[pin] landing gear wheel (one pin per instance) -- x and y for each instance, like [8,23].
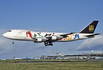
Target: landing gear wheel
[51,44]
[12,41]
[48,43]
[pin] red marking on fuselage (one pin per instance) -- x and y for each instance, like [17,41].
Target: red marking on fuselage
[62,39]
[29,33]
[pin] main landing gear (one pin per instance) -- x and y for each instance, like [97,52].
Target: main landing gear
[48,43]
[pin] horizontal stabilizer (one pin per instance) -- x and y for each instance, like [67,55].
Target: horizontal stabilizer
[92,35]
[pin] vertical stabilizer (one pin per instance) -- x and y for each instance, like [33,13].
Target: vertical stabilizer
[90,28]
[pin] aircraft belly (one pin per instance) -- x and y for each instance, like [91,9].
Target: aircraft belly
[23,39]
[66,40]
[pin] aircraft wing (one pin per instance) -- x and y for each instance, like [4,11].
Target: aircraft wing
[47,38]
[65,35]
[52,38]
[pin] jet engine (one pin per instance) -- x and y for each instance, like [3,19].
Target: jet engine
[39,40]
[54,38]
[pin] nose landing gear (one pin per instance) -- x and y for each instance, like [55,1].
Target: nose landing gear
[12,41]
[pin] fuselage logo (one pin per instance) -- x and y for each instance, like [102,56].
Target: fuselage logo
[29,34]
[72,37]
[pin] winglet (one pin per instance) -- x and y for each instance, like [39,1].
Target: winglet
[90,28]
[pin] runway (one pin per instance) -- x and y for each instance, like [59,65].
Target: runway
[59,61]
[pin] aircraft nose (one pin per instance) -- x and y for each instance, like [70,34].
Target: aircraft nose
[8,35]
[4,34]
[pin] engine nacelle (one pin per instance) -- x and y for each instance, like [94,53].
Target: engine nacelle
[54,38]
[39,40]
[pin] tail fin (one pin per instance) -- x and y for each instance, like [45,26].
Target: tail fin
[90,28]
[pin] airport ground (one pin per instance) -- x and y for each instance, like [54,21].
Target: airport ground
[51,64]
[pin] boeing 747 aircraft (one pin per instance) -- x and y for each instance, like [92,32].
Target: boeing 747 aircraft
[49,37]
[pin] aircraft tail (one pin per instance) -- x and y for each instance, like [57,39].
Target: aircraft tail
[90,28]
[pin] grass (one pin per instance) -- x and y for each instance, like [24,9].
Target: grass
[9,65]
[51,66]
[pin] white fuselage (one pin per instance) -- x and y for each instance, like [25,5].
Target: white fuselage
[49,37]
[26,35]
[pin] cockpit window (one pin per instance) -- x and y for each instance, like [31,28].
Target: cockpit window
[10,30]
